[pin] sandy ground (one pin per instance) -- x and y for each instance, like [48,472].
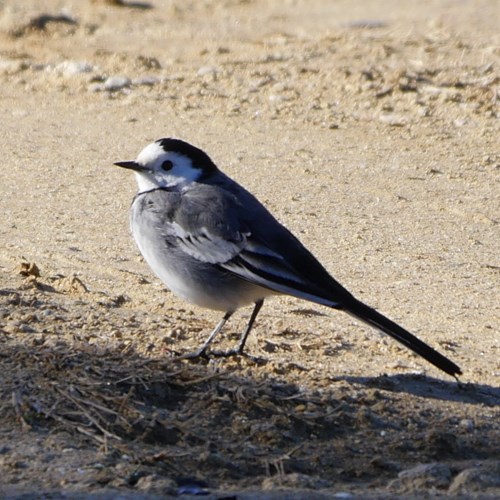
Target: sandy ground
[370,128]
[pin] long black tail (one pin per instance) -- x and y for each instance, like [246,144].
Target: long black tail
[374,318]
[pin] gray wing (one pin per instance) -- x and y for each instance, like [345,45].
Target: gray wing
[238,235]
[207,227]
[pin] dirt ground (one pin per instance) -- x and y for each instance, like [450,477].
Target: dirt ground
[370,128]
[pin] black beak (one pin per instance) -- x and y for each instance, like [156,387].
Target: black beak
[131,165]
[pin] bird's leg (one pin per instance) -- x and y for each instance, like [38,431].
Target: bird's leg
[243,339]
[241,345]
[202,350]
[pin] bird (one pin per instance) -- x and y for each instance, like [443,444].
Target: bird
[212,243]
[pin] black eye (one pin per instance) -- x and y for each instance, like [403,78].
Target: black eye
[167,165]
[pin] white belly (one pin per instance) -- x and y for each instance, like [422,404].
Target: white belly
[197,282]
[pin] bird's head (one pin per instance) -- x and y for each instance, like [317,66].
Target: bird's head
[169,163]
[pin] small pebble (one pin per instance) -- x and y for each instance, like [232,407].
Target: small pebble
[432,475]
[146,80]
[278,98]
[114,83]
[207,70]
[72,68]
[393,120]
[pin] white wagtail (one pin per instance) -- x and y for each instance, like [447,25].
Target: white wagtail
[214,244]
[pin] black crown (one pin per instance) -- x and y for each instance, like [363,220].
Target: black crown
[199,158]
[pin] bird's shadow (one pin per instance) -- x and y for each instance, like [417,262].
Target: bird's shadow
[430,387]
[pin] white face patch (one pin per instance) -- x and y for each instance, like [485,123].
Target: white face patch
[150,154]
[153,157]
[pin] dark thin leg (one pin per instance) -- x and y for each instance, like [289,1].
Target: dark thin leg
[202,350]
[241,345]
[243,340]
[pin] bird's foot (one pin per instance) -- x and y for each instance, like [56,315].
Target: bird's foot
[237,351]
[204,354]
[199,353]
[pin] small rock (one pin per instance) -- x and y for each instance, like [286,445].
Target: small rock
[114,83]
[206,70]
[155,483]
[460,122]
[477,479]
[279,98]
[72,68]
[148,81]
[208,73]
[393,120]
[424,476]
